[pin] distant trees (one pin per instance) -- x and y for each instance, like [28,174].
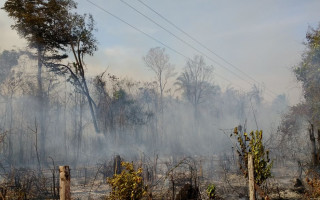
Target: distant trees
[158,61]
[8,59]
[280,103]
[118,107]
[195,81]
[128,110]
[9,82]
[196,84]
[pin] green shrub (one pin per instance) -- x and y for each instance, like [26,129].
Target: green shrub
[252,143]
[211,191]
[128,185]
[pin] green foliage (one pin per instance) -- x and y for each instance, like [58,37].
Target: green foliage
[196,81]
[53,29]
[128,185]
[41,23]
[8,59]
[211,191]
[252,143]
[313,183]
[308,74]
[119,94]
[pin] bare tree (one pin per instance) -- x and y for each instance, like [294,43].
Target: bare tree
[159,62]
[9,82]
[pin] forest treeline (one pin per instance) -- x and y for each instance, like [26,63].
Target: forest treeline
[132,116]
[51,107]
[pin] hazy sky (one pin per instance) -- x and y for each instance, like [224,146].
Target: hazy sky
[262,38]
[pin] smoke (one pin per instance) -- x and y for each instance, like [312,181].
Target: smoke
[128,114]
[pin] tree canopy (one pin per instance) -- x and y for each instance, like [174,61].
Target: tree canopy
[51,27]
[196,80]
[42,23]
[308,73]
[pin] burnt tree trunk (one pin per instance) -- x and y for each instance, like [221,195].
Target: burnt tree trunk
[41,115]
[117,165]
[313,146]
[318,155]
[91,103]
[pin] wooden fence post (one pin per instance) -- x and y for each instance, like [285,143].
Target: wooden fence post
[85,176]
[65,193]
[251,177]
[117,165]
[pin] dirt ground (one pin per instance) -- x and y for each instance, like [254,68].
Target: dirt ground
[230,186]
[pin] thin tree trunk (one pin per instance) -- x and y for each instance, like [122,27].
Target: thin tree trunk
[196,119]
[84,86]
[79,131]
[41,106]
[65,121]
[92,111]
[75,123]
[313,145]
[10,133]
[22,141]
[318,155]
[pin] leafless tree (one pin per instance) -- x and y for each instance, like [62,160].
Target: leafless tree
[159,62]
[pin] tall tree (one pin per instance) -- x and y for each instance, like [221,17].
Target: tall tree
[196,85]
[196,81]
[51,28]
[159,62]
[42,24]
[308,74]
[81,43]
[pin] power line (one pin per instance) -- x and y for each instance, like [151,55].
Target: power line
[139,30]
[202,45]
[153,38]
[188,44]
[185,42]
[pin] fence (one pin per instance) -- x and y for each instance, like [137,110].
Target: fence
[89,182]
[85,183]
